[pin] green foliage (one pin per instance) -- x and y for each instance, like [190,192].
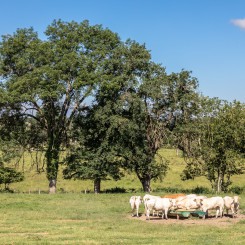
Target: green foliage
[196,190]
[215,148]
[106,126]
[49,80]
[237,190]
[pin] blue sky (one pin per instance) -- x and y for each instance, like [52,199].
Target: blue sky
[206,37]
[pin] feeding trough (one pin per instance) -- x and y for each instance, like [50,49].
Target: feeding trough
[186,213]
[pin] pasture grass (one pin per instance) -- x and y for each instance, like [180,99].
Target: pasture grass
[74,218]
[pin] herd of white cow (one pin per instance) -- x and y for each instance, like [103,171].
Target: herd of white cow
[158,204]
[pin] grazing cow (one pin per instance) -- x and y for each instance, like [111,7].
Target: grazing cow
[213,203]
[187,202]
[135,202]
[158,204]
[199,199]
[231,203]
[147,197]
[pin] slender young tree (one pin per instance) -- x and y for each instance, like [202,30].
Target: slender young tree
[8,176]
[214,143]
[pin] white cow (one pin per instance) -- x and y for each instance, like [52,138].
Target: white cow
[158,204]
[199,199]
[187,202]
[191,195]
[231,203]
[135,202]
[147,197]
[213,203]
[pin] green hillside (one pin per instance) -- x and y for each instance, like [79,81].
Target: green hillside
[35,181]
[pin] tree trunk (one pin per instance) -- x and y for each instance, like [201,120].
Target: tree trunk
[52,186]
[219,183]
[177,152]
[97,185]
[52,157]
[146,183]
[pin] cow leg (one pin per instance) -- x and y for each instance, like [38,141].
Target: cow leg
[162,214]
[232,212]
[217,213]
[166,213]
[206,214]
[145,209]
[148,214]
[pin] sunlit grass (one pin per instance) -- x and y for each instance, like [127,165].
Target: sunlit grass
[97,219]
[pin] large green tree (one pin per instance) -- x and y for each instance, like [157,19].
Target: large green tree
[49,80]
[97,153]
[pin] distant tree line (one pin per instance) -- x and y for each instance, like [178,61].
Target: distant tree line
[111,108]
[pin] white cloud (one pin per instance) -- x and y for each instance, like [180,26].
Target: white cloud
[239,22]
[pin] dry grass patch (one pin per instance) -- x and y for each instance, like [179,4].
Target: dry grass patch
[210,221]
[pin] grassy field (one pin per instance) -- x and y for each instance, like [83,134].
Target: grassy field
[100,219]
[72,217]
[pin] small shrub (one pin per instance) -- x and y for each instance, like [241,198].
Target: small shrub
[236,189]
[9,175]
[200,190]
[115,190]
[6,190]
[169,190]
[61,190]
[196,190]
